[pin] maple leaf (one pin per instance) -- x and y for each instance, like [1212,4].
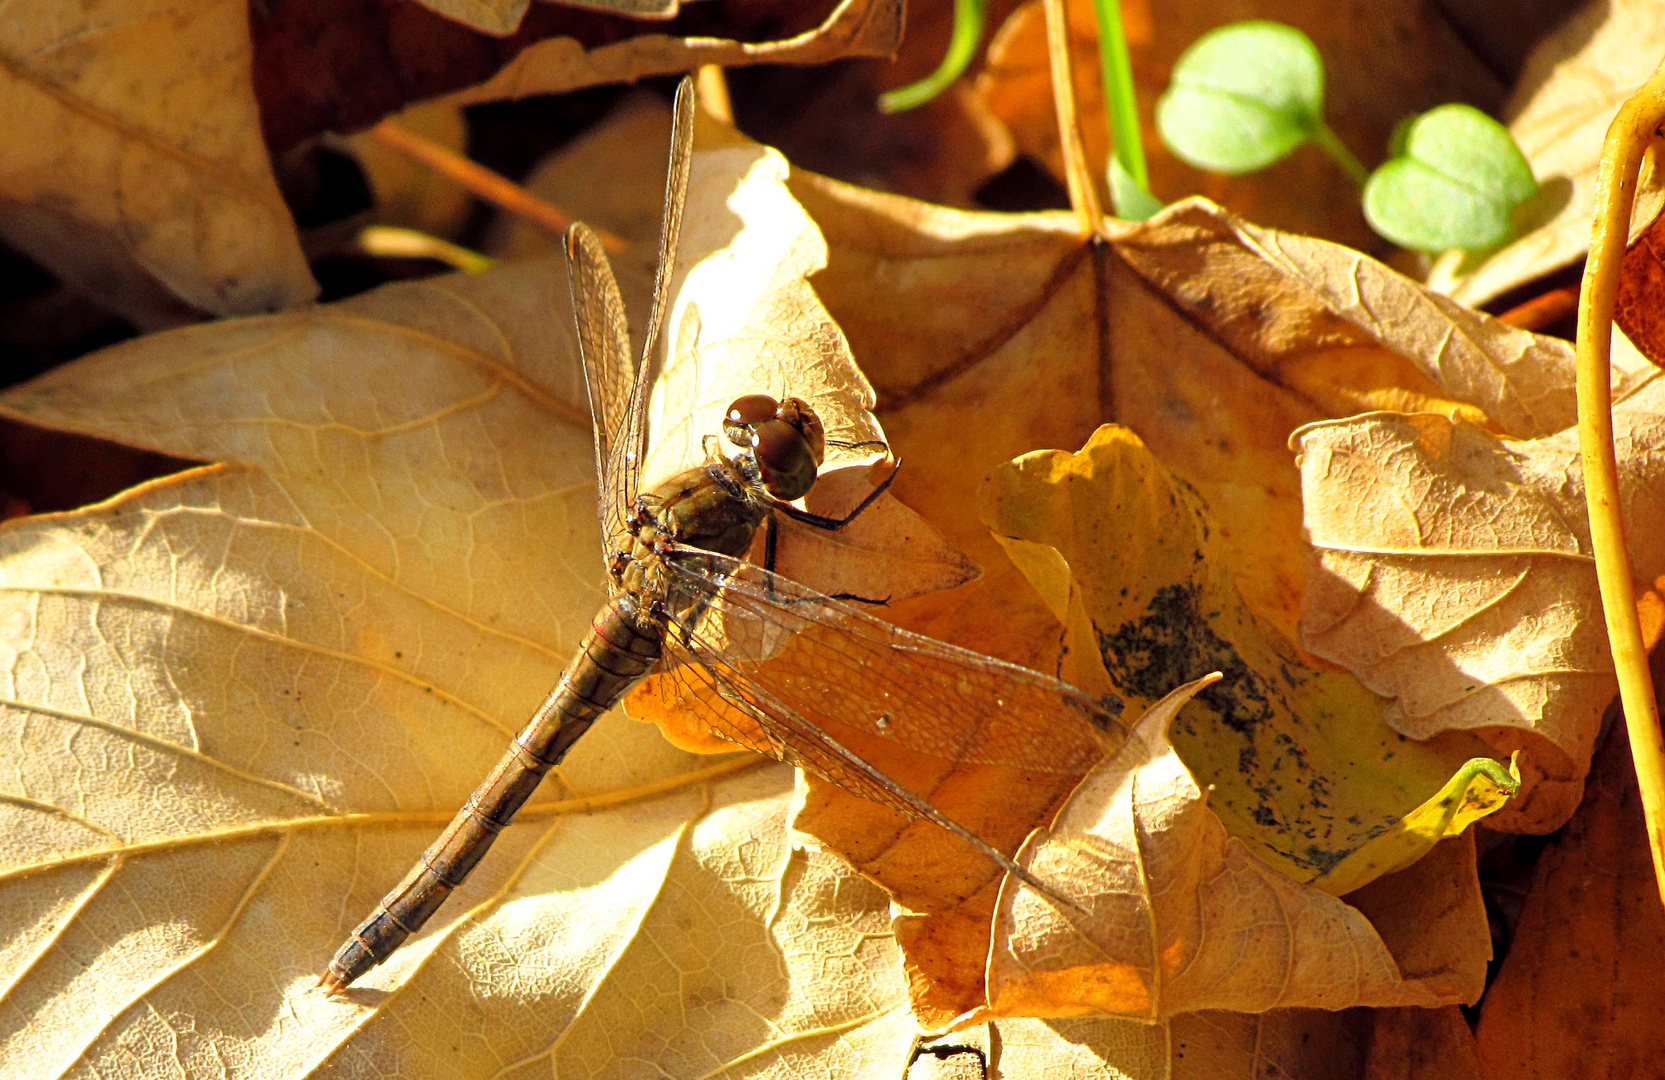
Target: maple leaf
[241,699]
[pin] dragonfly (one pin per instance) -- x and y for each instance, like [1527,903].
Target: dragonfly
[762,661]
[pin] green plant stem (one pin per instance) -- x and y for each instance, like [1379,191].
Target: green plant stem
[1120,105]
[962,47]
[1327,141]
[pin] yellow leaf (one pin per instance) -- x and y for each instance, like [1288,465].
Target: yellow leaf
[1300,765]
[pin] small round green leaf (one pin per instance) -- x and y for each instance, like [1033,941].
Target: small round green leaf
[1457,181]
[1242,97]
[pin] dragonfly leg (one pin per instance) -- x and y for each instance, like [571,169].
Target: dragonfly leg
[770,535]
[832,524]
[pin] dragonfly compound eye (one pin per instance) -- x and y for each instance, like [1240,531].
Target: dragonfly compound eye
[787,460]
[796,411]
[744,413]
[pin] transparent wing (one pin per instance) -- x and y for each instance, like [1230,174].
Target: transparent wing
[794,675]
[618,384]
[838,668]
[609,370]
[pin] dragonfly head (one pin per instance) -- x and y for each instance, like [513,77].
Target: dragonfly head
[785,437]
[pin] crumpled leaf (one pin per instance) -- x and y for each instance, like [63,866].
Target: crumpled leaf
[503,16]
[1568,999]
[1305,193]
[1298,761]
[406,53]
[1455,577]
[1175,916]
[557,64]
[240,700]
[132,165]
[1569,92]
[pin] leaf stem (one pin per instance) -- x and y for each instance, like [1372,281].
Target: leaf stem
[1333,146]
[969,16]
[1621,159]
[1120,103]
[1083,192]
[490,186]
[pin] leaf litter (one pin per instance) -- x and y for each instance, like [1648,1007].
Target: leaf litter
[392,551]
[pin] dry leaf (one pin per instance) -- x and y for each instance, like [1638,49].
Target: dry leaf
[1422,1044]
[1225,338]
[1637,324]
[1175,916]
[241,699]
[852,28]
[503,16]
[1455,577]
[411,194]
[133,165]
[402,52]
[1572,87]
[1573,997]
[1298,761]
[1307,192]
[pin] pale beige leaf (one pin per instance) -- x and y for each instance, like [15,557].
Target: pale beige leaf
[1454,576]
[237,702]
[1175,916]
[131,159]
[1522,382]
[1573,85]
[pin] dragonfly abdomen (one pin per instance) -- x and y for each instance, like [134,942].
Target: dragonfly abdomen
[616,654]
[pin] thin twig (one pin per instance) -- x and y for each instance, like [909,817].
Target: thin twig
[1621,160]
[490,186]
[1543,310]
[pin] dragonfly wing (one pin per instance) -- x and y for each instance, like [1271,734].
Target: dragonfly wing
[697,678]
[840,668]
[609,370]
[618,384]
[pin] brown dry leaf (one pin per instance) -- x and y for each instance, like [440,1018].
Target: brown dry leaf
[1572,86]
[557,64]
[1225,338]
[1422,1044]
[503,16]
[1636,316]
[1173,915]
[241,699]
[1368,91]
[1454,576]
[1575,995]
[132,165]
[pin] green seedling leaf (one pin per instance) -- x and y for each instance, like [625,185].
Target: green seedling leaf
[1242,97]
[1130,198]
[1455,184]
